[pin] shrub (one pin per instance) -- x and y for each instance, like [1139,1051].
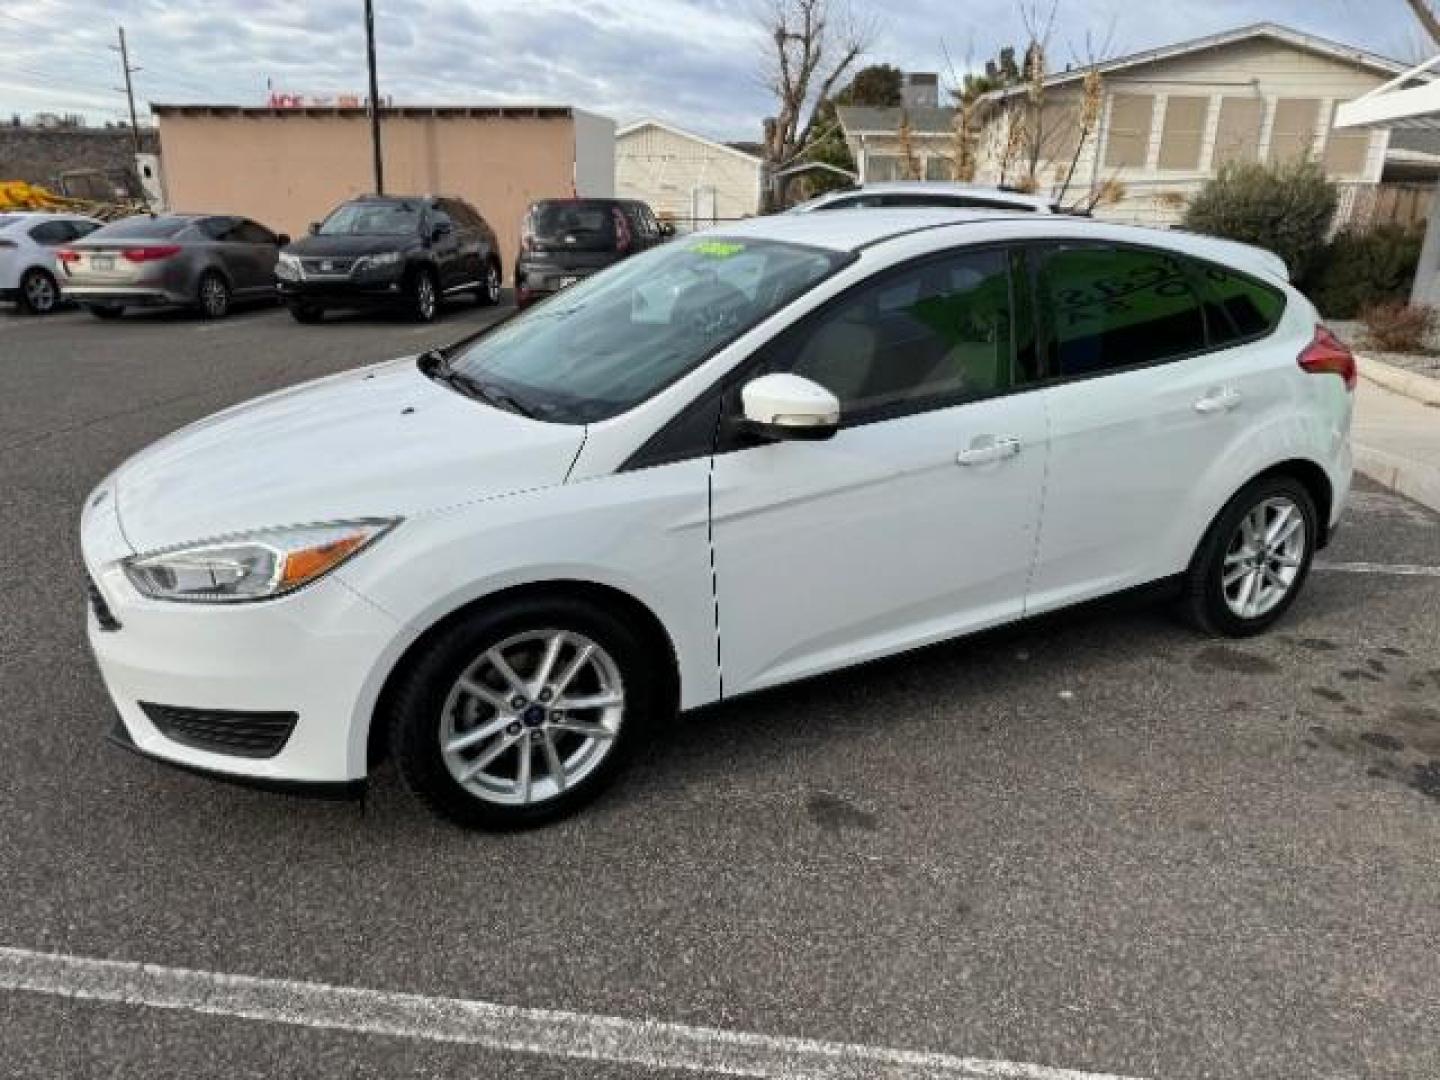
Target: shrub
[1360,269]
[1395,326]
[1286,208]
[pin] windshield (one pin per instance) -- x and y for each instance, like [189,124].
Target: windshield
[373,219]
[143,227]
[609,343]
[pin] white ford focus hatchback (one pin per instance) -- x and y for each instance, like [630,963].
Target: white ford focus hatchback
[739,459]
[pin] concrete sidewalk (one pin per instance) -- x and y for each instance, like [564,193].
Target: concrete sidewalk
[1397,442]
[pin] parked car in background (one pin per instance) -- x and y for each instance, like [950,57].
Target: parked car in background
[399,251]
[741,459]
[565,240]
[202,261]
[29,275]
[927,193]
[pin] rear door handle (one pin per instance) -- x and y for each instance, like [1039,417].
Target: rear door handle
[1221,399]
[984,449]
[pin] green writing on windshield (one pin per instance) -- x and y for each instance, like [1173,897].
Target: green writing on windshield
[718,249]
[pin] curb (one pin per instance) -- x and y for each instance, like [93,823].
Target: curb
[1410,478]
[1420,388]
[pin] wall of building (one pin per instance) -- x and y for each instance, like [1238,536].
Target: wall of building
[36,155]
[672,173]
[1262,70]
[594,155]
[288,170]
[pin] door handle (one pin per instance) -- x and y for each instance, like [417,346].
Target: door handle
[987,448]
[1217,401]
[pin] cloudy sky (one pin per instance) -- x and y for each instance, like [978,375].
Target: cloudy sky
[692,62]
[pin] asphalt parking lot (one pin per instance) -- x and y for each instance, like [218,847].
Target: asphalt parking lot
[1098,846]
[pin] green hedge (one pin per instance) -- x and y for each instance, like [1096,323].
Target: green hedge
[1286,208]
[1358,270]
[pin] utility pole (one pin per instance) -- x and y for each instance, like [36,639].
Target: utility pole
[374,97]
[129,89]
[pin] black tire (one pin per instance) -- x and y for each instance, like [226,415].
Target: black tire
[213,297]
[106,311]
[306,313]
[39,292]
[488,295]
[417,716]
[1204,602]
[424,307]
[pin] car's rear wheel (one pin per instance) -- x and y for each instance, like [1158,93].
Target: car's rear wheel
[1254,558]
[523,713]
[106,311]
[489,292]
[39,294]
[214,295]
[424,296]
[306,313]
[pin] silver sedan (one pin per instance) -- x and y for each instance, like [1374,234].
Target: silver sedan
[200,261]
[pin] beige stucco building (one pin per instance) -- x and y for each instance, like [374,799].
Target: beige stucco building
[287,167]
[686,178]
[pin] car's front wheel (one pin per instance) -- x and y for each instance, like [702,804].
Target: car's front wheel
[522,713]
[1254,559]
[39,295]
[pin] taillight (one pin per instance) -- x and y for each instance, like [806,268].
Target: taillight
[622,231]
[1327,355]
[65,255]
[527,234]
[150,254]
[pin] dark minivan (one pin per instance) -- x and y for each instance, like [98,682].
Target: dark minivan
[564,240]
[408,252]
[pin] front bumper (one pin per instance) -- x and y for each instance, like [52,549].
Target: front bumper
[317,653]
[381,289]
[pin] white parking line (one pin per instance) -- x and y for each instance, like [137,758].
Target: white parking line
[553,1033]
[1397,569]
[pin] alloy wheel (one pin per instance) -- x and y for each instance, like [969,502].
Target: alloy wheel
[532,717]
[492,284]
[214,296]
[1264,557]
[425,297]
[40,292]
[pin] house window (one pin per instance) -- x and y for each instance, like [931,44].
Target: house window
[1237,136]
[1129,138]
[1059,132]
[882,167]
[1184,132]
[1293,133]
[1346,151]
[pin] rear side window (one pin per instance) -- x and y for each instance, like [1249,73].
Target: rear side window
[1118,307]
[53,232]
[1237,307]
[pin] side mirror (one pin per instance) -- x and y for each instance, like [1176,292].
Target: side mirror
[283,240]
[781,407]
[314,228]
[667,229]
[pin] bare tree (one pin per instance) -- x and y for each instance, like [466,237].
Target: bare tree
[811,46]
[1428,19]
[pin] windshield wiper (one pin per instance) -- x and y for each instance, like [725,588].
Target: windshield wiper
[436,364]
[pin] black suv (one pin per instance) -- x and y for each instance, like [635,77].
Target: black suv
[400,251]
[564,240]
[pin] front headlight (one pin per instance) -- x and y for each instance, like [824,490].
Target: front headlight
[288,267]
[252,566]
[377,262]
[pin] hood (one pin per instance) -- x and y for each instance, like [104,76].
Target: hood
[383,441]
[350,245]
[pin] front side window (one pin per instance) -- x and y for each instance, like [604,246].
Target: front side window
[603,346]
[1118,307]
[399,218]
[935,333]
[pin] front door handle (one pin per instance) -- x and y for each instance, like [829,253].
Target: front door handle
[1221,399]
[987,448]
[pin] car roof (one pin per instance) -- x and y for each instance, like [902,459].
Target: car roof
[857,230]
[938,188]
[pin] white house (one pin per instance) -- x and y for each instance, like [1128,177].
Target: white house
[1167,119]
[687,179]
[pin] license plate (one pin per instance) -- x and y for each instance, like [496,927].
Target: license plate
[565,281]
[102,262]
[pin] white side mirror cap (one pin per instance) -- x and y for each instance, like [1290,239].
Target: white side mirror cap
[789,407]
